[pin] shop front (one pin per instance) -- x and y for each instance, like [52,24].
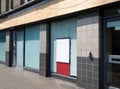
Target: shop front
[25,47]
[63,48]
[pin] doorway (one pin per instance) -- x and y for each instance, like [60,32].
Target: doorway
[113,55]
[18,48]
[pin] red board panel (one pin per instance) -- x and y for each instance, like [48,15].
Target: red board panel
[63,68]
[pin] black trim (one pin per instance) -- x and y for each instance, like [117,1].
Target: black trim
[22,2]
[10,50]
[11,4]
[101,73]
[62,77]
[114,5]
[104,55]
[7,5]
[48,48]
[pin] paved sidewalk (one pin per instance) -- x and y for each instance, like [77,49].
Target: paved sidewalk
[14,78]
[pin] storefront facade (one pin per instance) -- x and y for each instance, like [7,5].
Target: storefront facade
[62,30]
[81,46]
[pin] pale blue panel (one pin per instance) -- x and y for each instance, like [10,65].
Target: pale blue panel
[113,24]
[73,35]
[20,50]
[64,29]
[53,43]
[2,46]
[32,47]
[117,28]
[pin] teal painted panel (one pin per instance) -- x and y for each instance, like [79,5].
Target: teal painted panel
[32,47]
[113,24]
[20,40]
[64,29]
[73,35]
[2,46]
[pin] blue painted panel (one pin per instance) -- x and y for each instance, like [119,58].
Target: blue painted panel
[64,29]
[113,24]
[32,47]
[73,35]
[20,50]
[2,46]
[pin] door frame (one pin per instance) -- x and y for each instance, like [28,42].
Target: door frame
[104,50]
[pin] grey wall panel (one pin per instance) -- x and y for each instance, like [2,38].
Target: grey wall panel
[88,41]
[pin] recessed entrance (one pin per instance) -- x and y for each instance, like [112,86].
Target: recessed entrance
[113,55]
[18,50]
[19,40]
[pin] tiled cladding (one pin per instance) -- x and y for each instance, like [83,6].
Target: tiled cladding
[44,57]
[88,72]
[8,48]
[43,64]
[88,41]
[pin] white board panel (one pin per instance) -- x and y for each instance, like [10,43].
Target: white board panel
[62,50]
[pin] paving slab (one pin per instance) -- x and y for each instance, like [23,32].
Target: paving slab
[16,78]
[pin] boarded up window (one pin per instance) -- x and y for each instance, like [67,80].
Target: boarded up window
[3,6]
[16,3]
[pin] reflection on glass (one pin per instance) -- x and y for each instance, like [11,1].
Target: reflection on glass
[113,49]
[113,75]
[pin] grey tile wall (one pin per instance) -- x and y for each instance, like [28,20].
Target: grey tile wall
[88,41]
[88,73]
[8,48]
[44,59]
[43,64]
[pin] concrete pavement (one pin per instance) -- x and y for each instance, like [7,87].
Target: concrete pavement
[15,78]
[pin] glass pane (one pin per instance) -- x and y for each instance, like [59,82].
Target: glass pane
[111,12]
[113,75]
[3,6]
[113,49]
[16,3]
[113,38]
